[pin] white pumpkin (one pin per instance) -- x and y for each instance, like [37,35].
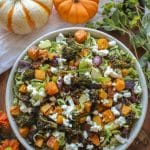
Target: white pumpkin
[23,16]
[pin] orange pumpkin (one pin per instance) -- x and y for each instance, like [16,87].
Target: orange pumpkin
[76,11]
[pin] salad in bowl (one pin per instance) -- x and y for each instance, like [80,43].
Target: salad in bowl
[76,91]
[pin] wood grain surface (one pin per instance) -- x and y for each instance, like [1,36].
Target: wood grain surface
[142,142]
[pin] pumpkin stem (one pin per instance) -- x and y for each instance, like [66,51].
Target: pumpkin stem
[76,1]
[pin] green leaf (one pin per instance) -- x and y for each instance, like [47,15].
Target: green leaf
[45,44]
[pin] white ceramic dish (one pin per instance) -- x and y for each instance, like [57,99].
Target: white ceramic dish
[95,33]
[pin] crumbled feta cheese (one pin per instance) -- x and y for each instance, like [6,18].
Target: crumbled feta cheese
[95,127]
[88,118]
[102,139]
[110,72]
[73,146]
[112,43]
[24,108]
[53,116]
[87,74]
[137,88]
[85,134]
[126,94]
[120,139]
[117,96]
[89,147]
[54,70]
[88,60]
[101,53]
[61,39]
[30,88]
[105,101]
[42,92]
[95,112]
[67,79]
[115,111]
[120,121]
[60,62]
[67,123]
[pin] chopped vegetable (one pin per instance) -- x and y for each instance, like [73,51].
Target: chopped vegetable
[80,36]
[24,131]
[53,143]
[120,84]
[51,88]
[94,139]
[23,89]
[40,74]
[126,110]
[15,110]
[108,116]
[102,44]
[33,53]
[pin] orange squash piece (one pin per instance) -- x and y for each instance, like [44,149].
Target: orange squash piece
[43,54]
[84,52]
[82,120]
[87,106]
[108,116]
[40,74]
[120,85]
[102,43]
[125,72]
[46,109]
[109,104]
[39,142]
[33,53]
[80,36]
[23,89]
[53,143]
[15,110]
[60,119]
[125,110]
[100,107]
[24,131]
[94,139]
[102,94]
[98,120]
[51,88]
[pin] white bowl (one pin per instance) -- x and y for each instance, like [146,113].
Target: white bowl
[95,33]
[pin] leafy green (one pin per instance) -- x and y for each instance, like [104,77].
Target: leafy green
[136,109]
[45,44]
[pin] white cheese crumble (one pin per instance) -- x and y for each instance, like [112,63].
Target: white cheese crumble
[67,123]
[110,72]
[112,43]
[89,147]
[60,62]
[115,111]
[85,134]
[101,53]
[126,94]
[120,139]
[73,146]
[87,74]
[54,70]
[42,92]
[137,88]
[53,116]
[105,101]
[67,79]
[24,108]
[95,127]
[117,96]
[61,39]
[120,121]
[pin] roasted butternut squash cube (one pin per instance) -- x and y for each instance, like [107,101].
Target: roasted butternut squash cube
[23,89]
[39,142]
[84,52]
[125,110]
[52,55]
[102,94]
[40,74]
[120,85]
[15,110]
[80,36]
[53,143]
[98,120]
[94,138]
[51,88]
[47,109]
[24,131]
[108,116]
[58,110]
[60,119]
[102,43]
[33,53]
[125,72]
[87,106]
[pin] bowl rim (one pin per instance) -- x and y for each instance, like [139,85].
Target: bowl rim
[144,100]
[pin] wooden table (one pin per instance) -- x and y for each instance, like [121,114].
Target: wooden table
[142,142]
